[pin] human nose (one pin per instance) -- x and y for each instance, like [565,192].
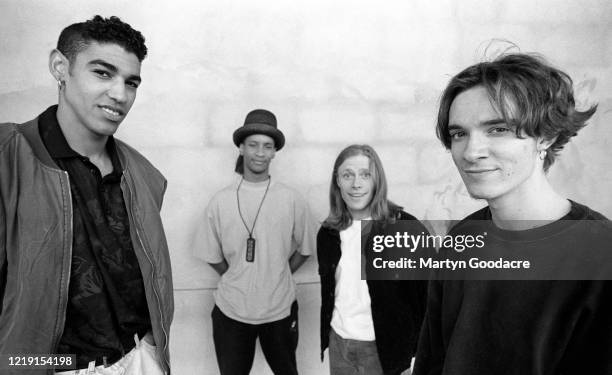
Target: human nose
[475,147]
[118,91]
[356,182]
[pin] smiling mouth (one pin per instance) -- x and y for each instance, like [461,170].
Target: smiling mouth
[114,112]
[477,172]
[357,195]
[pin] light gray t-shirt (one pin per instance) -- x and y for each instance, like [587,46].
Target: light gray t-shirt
[261,291]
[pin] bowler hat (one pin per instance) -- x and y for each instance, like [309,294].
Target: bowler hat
[260,121]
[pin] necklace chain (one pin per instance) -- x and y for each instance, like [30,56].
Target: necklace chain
[258,209]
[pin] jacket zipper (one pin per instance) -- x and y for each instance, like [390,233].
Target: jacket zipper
[161,314]
[67,283]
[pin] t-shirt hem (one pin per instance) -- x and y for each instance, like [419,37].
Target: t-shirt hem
[227,310]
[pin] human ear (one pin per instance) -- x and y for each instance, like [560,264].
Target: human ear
[58,66]
[544,144]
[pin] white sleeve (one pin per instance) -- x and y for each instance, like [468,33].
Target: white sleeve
[207,243]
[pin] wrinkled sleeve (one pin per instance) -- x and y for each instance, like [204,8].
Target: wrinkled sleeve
[208,239]
[3,229]
[3,263]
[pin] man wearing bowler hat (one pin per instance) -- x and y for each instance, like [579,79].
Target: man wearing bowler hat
[256,233]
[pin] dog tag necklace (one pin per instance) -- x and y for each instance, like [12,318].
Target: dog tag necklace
[250,243]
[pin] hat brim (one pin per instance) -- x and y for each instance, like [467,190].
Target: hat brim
[244,131]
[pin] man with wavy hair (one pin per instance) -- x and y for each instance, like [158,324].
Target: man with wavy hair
[505,122]
[84,263]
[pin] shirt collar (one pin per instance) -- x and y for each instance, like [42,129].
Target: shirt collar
[52,135]
[55,141]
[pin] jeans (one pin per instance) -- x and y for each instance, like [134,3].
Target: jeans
[235,343]
[352,357]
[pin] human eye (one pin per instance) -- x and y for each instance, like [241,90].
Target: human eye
[102,73]
[457,134]
[499,130]
[133,84]
[366,175]
[346,175]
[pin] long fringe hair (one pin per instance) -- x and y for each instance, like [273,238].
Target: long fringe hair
[541,96]
[340,217]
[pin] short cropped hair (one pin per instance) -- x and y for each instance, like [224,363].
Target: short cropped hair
[531,95]
[76,37]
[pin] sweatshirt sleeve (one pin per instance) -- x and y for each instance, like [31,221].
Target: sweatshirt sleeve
[589,350]
[430,350]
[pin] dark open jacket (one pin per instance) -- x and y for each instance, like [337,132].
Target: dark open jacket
[398,306]
[36,243]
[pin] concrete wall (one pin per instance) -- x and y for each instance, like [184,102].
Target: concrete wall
[335,73]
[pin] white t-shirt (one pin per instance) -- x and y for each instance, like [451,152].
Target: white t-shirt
[352,316]
[261,291]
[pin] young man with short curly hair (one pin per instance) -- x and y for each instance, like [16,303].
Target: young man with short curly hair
[84,263]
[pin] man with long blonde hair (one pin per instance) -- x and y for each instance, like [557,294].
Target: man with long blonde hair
[371,327]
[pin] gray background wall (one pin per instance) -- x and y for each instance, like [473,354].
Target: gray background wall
[335,73]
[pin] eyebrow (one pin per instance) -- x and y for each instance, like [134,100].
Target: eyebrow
[350,169]
[495,121]
[492,122]
[114,69]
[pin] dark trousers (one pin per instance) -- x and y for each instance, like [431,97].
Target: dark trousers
[235,343]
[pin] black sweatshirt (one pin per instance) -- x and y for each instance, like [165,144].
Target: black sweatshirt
[520,327]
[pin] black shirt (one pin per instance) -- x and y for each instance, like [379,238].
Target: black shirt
[107,302]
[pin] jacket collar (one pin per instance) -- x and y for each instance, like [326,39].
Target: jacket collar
[52,136]
[31,133]
[330,231]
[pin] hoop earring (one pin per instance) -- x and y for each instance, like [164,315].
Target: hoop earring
[542,154]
